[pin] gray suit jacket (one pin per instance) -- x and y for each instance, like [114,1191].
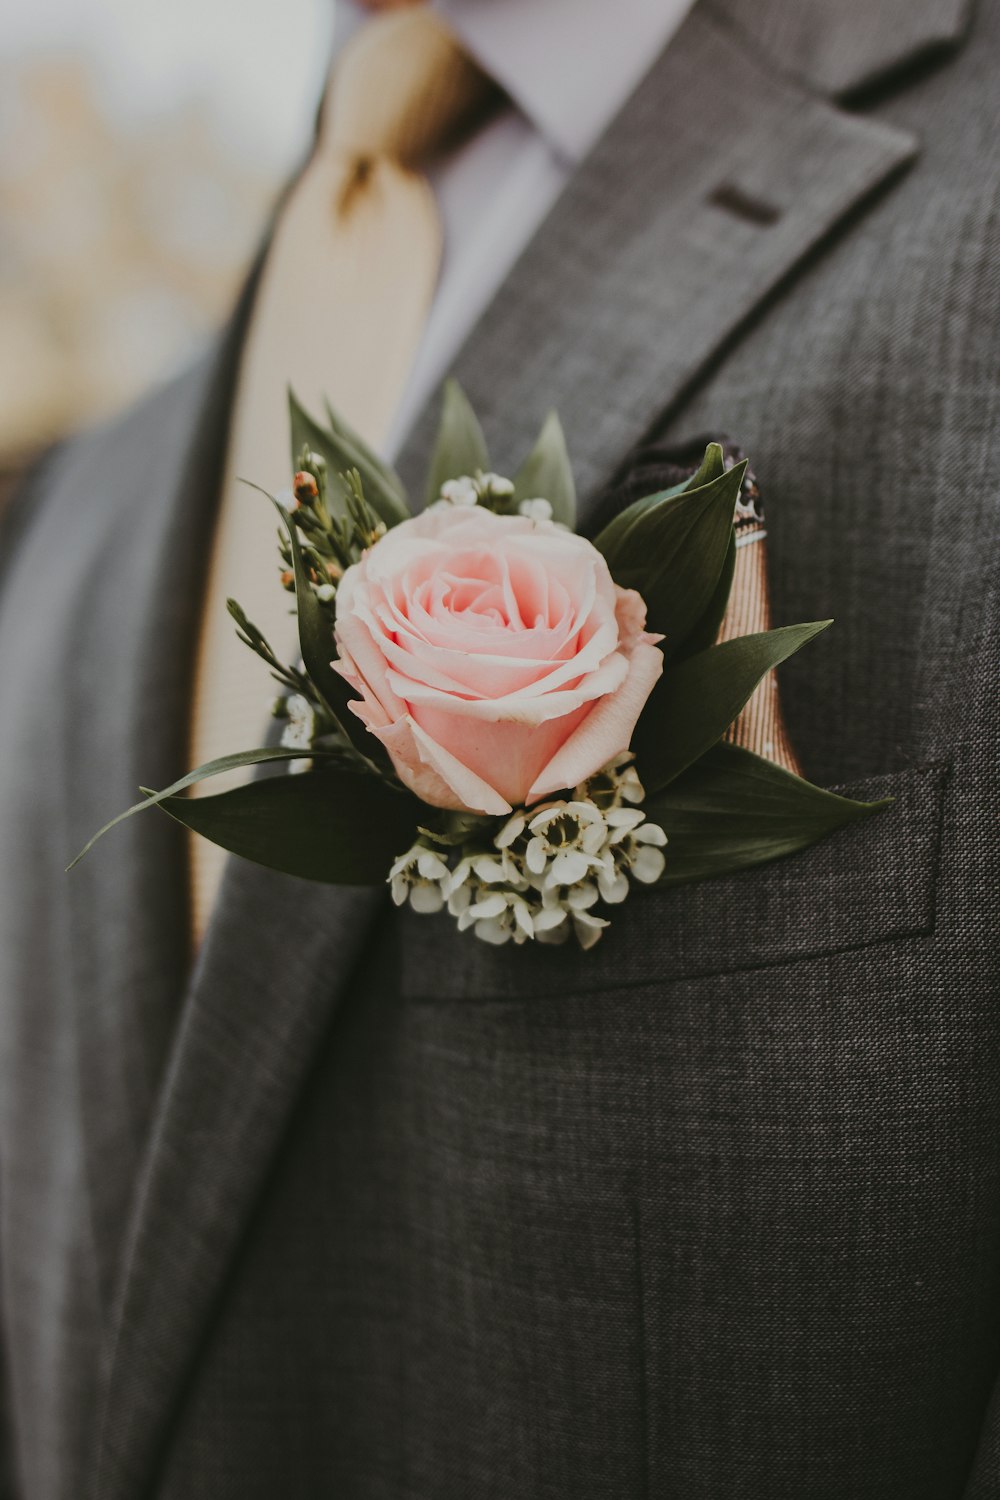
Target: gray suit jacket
[362,1208]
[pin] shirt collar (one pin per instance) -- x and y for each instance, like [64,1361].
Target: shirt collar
[568,65]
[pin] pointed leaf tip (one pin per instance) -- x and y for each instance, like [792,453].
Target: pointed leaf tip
[675,548]
[732,810]
[235,762]
[696,700]
[460,447]
[547,473]
[711,467]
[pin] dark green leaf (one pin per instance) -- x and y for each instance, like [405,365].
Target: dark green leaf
[546,473]
[460,447]
[732,810]
[217,767]
[673,552]
[711,467]
[705,631]
[366,454]
[383,489]
[338,827]
[694,703]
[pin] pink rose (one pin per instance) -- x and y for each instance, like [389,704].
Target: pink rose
[496,658]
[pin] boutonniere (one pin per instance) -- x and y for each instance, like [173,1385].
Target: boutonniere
[501,718]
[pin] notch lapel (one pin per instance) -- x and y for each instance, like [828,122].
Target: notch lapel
[135,524]
[845,50]
[637,279]
[715,181]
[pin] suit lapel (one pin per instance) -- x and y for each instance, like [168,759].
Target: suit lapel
[244,1022]
[715,181]
[846,50]
[135,523]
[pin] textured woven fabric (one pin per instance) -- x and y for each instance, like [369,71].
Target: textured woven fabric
[364,1208]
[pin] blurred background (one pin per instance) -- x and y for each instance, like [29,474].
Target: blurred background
[141,146]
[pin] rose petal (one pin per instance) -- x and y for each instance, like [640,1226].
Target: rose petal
[466,789]
[501,755]
[606,730]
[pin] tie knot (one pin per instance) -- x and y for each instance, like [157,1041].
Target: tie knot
[403,87]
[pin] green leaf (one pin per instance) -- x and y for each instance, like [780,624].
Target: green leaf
[674,551]
[351,439]
[732,810]
[341,451]
[712,466]
[705,631]
[546,473]
[460,447]
[694,703]
[210,768]
[338,827]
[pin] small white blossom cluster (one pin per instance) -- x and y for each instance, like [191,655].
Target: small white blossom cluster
[490,489]
[546,868]
[299,732]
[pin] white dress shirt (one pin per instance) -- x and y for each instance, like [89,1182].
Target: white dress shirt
[568,66]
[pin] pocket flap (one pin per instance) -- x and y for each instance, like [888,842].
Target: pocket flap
[864,884]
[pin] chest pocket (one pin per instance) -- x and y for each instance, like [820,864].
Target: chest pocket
[869,883]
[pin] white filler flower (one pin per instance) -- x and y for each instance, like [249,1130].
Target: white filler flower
[545,868]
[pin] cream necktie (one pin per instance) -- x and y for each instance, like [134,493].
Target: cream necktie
[342,303]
